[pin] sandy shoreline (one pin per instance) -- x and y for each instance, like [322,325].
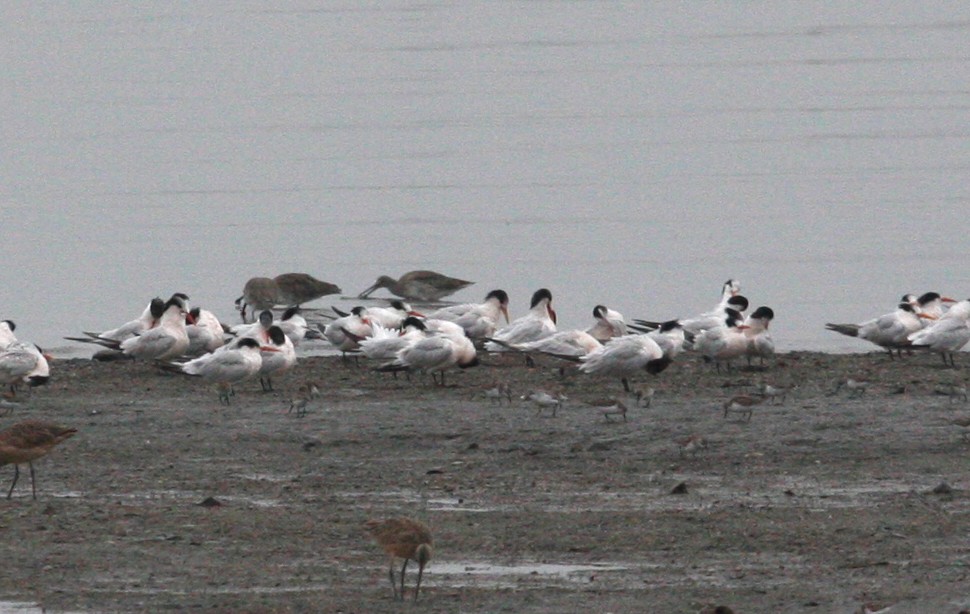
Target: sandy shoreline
[820,504]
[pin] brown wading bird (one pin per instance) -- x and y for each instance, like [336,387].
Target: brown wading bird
[406,539]
[26,441]
[298,288]
[418,286]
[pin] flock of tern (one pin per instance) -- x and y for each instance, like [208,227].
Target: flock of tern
[396,337]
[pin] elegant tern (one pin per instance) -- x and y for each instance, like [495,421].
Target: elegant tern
[538,323]
[890,331]
[478,319]
[724,342]
[237,361]
[609,324]
[277,357]
[625,357]
[948,334]
[760,343]
[435,353]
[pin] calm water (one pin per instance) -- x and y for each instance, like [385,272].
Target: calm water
[630,153]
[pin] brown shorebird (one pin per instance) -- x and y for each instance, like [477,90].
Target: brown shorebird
[405,539]
[26,441]
[298,288]
[741,404]
[418,286]
[691,445]
[259,294]
[855,386]
[498,391]
[773,393]
[304,397]
[543,399]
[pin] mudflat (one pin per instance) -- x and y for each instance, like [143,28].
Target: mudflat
[829,500]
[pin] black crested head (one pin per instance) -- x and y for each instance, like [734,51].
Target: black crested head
[289,313]
[670,325]
[181,297]
[501,295]
[599,311]
[156,307]
[929,297]
[10,325]
[764,313]
[907,307]
[247,342]
[266,318]
[732,317]
[195,312]
[540,294]
[413,322]
[399,305]
[276,335]
[738,302]
[174,302]
[358,311]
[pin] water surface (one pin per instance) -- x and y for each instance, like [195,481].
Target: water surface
[627,153]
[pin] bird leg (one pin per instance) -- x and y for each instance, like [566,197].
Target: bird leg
[16,474]
[33,481]
[390,572]
[417,587]
[403,568]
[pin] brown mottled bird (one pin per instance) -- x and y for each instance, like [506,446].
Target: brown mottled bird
[26,441]
[406,539]
[418,286]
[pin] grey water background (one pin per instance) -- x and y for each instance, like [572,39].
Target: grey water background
[635,154]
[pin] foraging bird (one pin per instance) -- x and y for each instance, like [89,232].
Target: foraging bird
[856,387]
[406,539]
[27,441]
[259,293]
[418,286]
[742,404]
[691,444]
[498,391]
[305,395]
[543,399]
[294,289]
